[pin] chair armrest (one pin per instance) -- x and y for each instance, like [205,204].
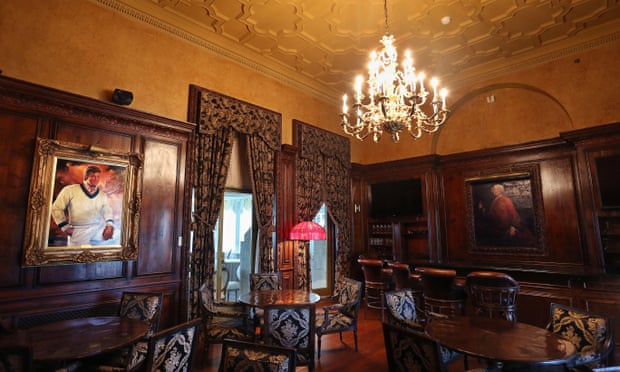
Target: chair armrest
[333,308]
[231,310]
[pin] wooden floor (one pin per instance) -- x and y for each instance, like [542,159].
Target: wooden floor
[337,356]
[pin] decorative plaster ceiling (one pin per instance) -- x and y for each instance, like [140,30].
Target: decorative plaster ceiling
[320,45]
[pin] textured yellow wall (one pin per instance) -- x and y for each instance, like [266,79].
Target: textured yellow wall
[86,48]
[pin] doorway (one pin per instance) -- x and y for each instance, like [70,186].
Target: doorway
[233,246]
[322,255]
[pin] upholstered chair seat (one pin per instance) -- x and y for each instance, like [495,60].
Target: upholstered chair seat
[250,356]
[341,317]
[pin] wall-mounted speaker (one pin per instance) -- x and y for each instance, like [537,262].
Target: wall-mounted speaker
[122,97]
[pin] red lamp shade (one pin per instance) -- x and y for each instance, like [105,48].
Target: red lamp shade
[307,230]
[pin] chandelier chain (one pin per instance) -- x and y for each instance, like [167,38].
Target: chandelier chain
[387,27]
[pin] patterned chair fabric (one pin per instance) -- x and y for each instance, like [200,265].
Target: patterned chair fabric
[402,312]
[173,349]
[408,350]
[15,359]
[139,306]
[292,326]
[223,320]
[592,335]
[341,317]
[402,309]
[261,281]
[250,356]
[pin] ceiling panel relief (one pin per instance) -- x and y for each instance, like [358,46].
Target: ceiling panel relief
[319,46]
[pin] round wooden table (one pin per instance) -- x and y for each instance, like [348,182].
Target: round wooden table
[78,338]
[261,298]
[503,341]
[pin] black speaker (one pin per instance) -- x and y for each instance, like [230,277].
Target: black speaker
[122,97]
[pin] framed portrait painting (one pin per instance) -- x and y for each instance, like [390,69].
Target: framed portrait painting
[505,213]
[84,205]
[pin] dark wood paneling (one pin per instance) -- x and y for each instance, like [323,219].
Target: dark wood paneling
[86,134]
[580,262]
[29,111]
[285,215]
[16,154]
[160,186]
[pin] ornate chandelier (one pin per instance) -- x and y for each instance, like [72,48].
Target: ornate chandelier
[395,100]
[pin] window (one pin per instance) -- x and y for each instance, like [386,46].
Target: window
[233,245]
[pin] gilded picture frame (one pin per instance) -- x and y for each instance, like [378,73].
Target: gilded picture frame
[84,205]
[505,212]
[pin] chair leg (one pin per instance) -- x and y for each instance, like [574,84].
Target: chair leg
[340,333]
[382,303]
[366,308]
[355,338]
[318,347]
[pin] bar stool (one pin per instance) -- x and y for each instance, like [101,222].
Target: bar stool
[376,281]
[400,275]
[416,285]
[443,296]
[493,294]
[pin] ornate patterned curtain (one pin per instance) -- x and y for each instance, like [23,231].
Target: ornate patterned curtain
[323,176]
[218,118]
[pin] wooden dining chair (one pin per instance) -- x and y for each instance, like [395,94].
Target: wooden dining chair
[173,349]
[402,310]
[342,316]
[143,306]
[253,356]
[293,326]
[223,320]
[408,350]
[592,334]
[261,281]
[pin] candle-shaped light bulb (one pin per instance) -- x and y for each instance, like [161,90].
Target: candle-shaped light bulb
[421,77]
[358,88]
[444,93]
[434,83]
[345,108]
